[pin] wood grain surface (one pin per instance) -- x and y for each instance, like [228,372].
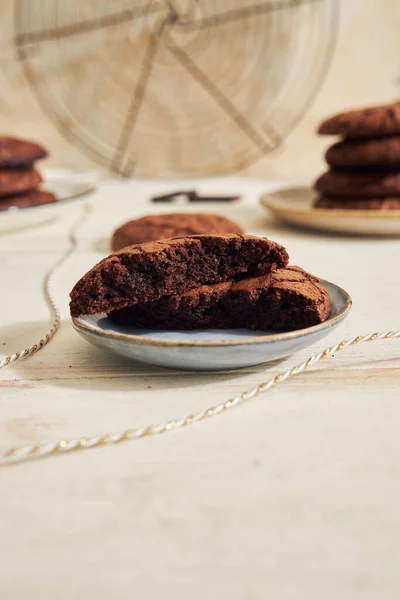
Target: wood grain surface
[294,495]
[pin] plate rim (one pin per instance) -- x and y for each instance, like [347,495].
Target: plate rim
[350,213]
[138,340]
[90,186]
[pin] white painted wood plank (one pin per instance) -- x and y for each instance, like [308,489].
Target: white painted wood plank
[294,495]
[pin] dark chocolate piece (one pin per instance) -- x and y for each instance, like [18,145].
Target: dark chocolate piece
[197,198]
[192,196]
[173,196]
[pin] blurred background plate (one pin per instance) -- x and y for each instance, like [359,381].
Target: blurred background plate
[68,186]
[293,205]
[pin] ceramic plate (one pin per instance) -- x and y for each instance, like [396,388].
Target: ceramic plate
[209,349]
[294,205]
[68,186]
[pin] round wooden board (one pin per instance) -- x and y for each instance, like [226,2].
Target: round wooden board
[179,87]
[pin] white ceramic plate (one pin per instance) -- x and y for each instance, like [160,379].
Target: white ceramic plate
[294,206]
[68,186]
[209,349]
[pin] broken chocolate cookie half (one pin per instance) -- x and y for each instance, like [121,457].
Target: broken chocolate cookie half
[203,281]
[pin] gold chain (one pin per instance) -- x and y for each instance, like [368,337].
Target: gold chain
[41,450]
[35,451]
[47,282]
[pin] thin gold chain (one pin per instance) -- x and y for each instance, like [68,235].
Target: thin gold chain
[47,284]
[41,450]
[35,451]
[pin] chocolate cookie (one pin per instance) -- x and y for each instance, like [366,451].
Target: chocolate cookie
[15,152]
[18,181]
[358,203]
[365,183]
[287,298]
[379,152]
[376,121]
[145,272]
[35,198]
[158,227]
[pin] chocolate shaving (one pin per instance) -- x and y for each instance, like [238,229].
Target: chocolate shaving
[192,196]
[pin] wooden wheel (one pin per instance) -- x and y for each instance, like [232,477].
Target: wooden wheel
[175,87]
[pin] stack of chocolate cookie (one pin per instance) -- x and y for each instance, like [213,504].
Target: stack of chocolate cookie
[202,281]
[364,169]
[19,179]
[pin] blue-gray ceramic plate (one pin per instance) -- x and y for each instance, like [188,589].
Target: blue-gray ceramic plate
[209,349]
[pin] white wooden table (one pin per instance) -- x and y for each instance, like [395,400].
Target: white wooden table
[293,495]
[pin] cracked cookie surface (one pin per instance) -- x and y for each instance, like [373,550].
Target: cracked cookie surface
[145,272]
[158,227]
[374,121]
